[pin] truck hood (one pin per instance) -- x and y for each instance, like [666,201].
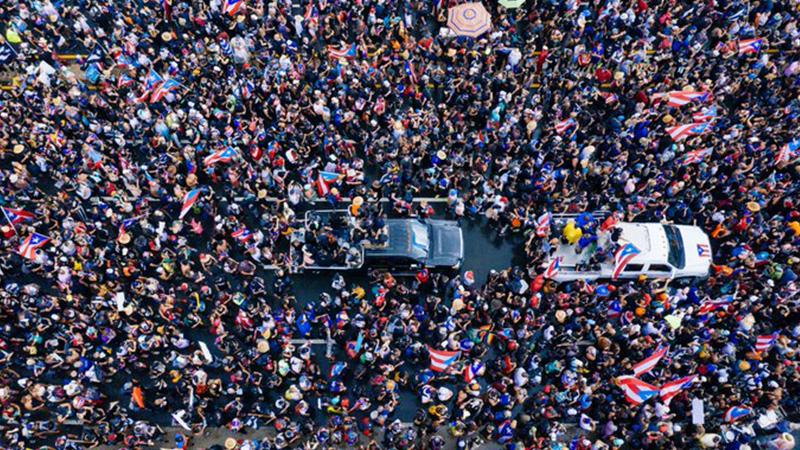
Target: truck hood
[447,246]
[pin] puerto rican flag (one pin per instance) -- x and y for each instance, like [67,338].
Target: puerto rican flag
[324,181]
[647,364]
[242,234]
[703,251]
[347,53]
[681,132]
[765,342]
[127,223]
[231,7]
[189,200]
[695,156]
[16,216]
[163,89]
[735,413]
[442,360]
[712,305]
[565,125]
[705,114]
[124,81]
[409,70]
[32,243]
[152,79]
[553,267]
[543,225]
[636,391]
[675,387]
[789,152]
[623,256]
[225,156]
[680,98]
[471,371]
[750,45]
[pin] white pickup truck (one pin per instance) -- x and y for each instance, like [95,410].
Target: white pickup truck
[666,251]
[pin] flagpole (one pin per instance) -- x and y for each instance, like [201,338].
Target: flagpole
[9,220]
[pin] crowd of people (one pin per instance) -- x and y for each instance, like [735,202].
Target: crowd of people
[146,185]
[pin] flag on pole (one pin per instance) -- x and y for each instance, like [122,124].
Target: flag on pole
[231,7]
[553,267]
[226,155]
[441,360]
[675,387]
[747,46]
[636,391]
[735,413]
[15,216]
[765,342]
[681,132]
[32,243]
[189,200]
[623,256]
[647,364]
[543,225]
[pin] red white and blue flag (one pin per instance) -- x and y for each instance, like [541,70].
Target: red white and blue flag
[636,391]
[471,371]
[735,413]
[163,89]
[750,45]
[553,267]
[409,69]
[348,52]
[703,251]
[789,152]
[242,234]
[712,305]
[680,98]
[623,256]
[765,342]
[152,80]
[189,200]
[565,125]
[231,7]
[705,114]
[226,155]
[681,132]
[124,81]
[32,243]
[695,156]
[675,387]
[324,181]
[647,364]
[543,225]
[15,216]
[441,360]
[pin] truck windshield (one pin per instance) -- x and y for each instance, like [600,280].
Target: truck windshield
[419,239]
[677,255]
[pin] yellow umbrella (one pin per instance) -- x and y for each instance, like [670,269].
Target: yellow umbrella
[12,36]
[511,4]
[469,19]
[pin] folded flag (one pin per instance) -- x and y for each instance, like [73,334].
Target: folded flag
[623,256]
[231,7]
[226,155]
[189,200]
[750,46]
[647,364]
[553,267]
[636,391]
[695,156]
[15,216]
[764,342]
[681,132]
[441,360]
[675,387]
[32,243]
[565,125]
[735,413]
[543,225]
[347,53]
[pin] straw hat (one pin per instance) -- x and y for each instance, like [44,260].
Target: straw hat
[262,194]
[124,238]
[753,207]
[358,201]
[441,155]
[561,316]
[166,36]
[19,148]
[262,346]
[230,443]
